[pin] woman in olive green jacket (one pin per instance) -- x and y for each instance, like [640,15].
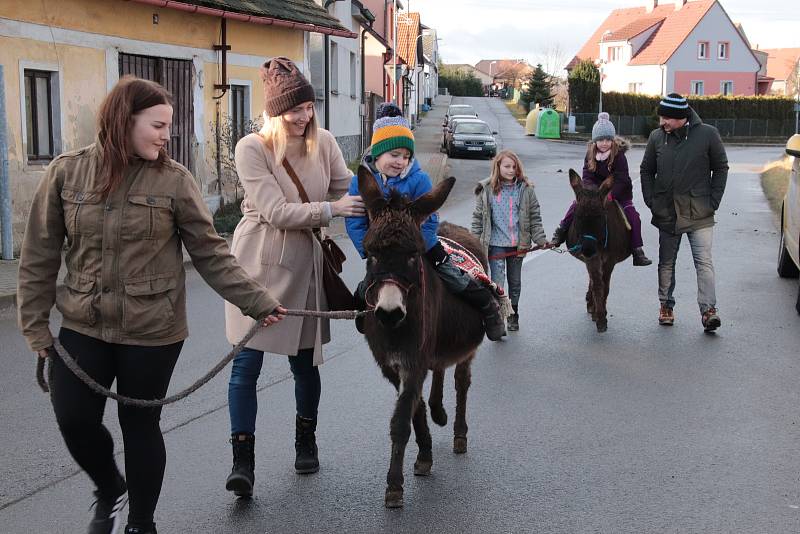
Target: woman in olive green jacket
[125,209]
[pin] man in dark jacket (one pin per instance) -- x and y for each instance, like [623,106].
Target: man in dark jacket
[683,172]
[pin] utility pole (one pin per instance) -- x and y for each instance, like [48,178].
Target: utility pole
[5,189]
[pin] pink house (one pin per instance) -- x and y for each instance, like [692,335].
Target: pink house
[687,46]
[378,54]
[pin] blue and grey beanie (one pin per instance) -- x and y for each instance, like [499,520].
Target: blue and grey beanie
[674,106]
[603,128]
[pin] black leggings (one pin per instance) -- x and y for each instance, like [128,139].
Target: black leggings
[141,372]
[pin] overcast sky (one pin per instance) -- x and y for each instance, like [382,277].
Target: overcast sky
[472,30]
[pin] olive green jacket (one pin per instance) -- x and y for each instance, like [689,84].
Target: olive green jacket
[683,176]
[530,218]
[124,258]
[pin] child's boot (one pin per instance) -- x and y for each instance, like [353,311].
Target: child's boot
[513,320]
[481,298]
[559,236]
[639,258]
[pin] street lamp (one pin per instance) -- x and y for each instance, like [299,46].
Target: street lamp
[490,69]
[600,63]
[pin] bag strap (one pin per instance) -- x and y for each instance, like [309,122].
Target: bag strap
[295,180]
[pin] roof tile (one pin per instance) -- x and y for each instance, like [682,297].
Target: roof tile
[781,62]
[302,11]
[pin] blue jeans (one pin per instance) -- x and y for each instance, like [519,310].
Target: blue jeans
[700,241]
[510,267]
[242,401]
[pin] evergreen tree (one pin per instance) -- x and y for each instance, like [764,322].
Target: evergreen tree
[584,87]
[539,89]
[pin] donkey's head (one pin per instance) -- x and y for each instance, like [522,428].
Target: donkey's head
[590,214]
[394,245]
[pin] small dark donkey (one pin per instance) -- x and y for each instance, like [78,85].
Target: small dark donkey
[599,238]
[417,324]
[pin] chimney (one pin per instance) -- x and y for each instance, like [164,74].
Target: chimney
[651,5]
[679,4]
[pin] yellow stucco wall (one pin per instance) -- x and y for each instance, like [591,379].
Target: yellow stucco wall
[83,72]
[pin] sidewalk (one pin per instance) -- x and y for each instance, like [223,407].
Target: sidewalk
[428,136]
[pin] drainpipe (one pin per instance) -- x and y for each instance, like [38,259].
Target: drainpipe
[363,94]
[327,75]
[5,189]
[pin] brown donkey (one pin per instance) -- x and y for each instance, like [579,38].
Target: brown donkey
[417,325]
[599,238]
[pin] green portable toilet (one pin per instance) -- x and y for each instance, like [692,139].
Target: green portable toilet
[549,124]
[531,120]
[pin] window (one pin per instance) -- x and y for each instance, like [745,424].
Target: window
[635,87]
[697,88]
[353,77]
[334,68]
[723,50]
[702,50]
[39,115]
[614,53]
[239,111]
[726,88]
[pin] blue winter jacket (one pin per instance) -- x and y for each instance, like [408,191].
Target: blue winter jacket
[412,183]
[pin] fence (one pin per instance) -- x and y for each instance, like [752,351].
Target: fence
[641,125]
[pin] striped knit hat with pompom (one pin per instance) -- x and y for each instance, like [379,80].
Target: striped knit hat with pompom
[390,130]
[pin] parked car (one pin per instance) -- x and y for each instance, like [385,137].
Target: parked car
[458,109]
[788,254]
[472,136]
[447,130]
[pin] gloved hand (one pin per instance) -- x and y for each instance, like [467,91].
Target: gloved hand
[437,254]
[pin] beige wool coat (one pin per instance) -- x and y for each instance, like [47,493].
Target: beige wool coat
[273,242]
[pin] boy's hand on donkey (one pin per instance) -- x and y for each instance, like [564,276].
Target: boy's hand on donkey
[348,206]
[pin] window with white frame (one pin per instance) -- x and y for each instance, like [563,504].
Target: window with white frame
[635,87]
[702,50]
[697,87]
[334,68]
[41,120]
[353,77]
[726,88]
[239,111]
[614,53]
[723,50]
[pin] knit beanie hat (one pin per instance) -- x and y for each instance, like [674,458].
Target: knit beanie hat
[674,106]
[390,130]
[284,86]
[603,128]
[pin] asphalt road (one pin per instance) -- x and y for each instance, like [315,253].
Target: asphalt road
[641,429]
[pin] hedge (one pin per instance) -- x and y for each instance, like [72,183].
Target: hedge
[708,107]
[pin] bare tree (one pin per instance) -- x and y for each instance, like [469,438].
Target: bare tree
[553,58]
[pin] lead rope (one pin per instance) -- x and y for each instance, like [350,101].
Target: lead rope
[44,376]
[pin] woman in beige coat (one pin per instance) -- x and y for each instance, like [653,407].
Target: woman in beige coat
[275,245]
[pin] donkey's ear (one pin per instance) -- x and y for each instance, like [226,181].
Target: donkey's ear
[431,201]
[369,190]
[575,181]
[606,186]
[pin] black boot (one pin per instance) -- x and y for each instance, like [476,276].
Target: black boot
[242,476]
[305,444]
[481,298]
[559,236]
[513,320]
[137,529]
[639,258]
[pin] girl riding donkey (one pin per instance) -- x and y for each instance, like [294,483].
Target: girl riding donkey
[507,220]
[606,157]
[391,162]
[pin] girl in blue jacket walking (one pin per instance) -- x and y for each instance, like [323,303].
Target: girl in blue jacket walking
[391,161]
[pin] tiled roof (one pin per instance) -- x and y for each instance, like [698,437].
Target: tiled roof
[428,42]
[633,29]
[302,11]
[781,62]
[407,33]
[676,26]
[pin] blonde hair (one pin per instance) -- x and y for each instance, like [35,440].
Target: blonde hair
[591,152]
[274,133]
[494,179]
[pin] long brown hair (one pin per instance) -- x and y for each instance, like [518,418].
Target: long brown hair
[494,180]
[591,152]
[130,96]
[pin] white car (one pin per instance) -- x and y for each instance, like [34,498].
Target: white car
[789,255]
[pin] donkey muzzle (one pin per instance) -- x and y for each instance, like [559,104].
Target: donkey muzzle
[390,310]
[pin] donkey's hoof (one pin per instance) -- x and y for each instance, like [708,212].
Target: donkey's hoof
[438,415]
[422,468]
[394,498]
[602,326]
[460,444]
